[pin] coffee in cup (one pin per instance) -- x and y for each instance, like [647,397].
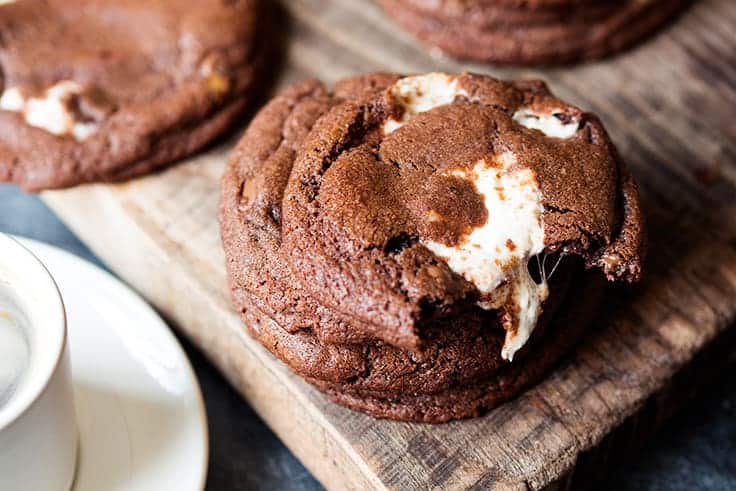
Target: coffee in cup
[14,344]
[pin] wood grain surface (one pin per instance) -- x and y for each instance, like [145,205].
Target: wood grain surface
[669,106]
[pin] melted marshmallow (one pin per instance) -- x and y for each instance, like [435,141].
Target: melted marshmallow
[50,112]
[494,256]
[546,123]
[419,94]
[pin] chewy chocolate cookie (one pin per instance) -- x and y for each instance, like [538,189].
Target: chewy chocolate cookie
[531,32]
[92,90]
[416,246]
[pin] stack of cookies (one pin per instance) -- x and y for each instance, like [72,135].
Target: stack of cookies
[423,247]
[417,247]
[531,31]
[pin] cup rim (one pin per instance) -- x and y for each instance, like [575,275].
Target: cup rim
[22,401]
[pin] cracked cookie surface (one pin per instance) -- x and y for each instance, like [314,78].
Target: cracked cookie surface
[382,239]
[103,91]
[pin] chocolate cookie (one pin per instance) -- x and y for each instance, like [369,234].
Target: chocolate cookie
[92,90]
[529,32]
[400,241]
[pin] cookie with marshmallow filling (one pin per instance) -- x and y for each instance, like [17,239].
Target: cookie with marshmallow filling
[408,243]
[102,91]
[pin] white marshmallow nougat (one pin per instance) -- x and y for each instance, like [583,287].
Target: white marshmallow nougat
[494,256]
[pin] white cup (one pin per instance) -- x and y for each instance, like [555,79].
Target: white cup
[38,432]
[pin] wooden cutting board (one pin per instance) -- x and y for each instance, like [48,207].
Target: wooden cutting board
[669,106]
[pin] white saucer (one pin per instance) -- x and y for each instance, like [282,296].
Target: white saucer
[141,417]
